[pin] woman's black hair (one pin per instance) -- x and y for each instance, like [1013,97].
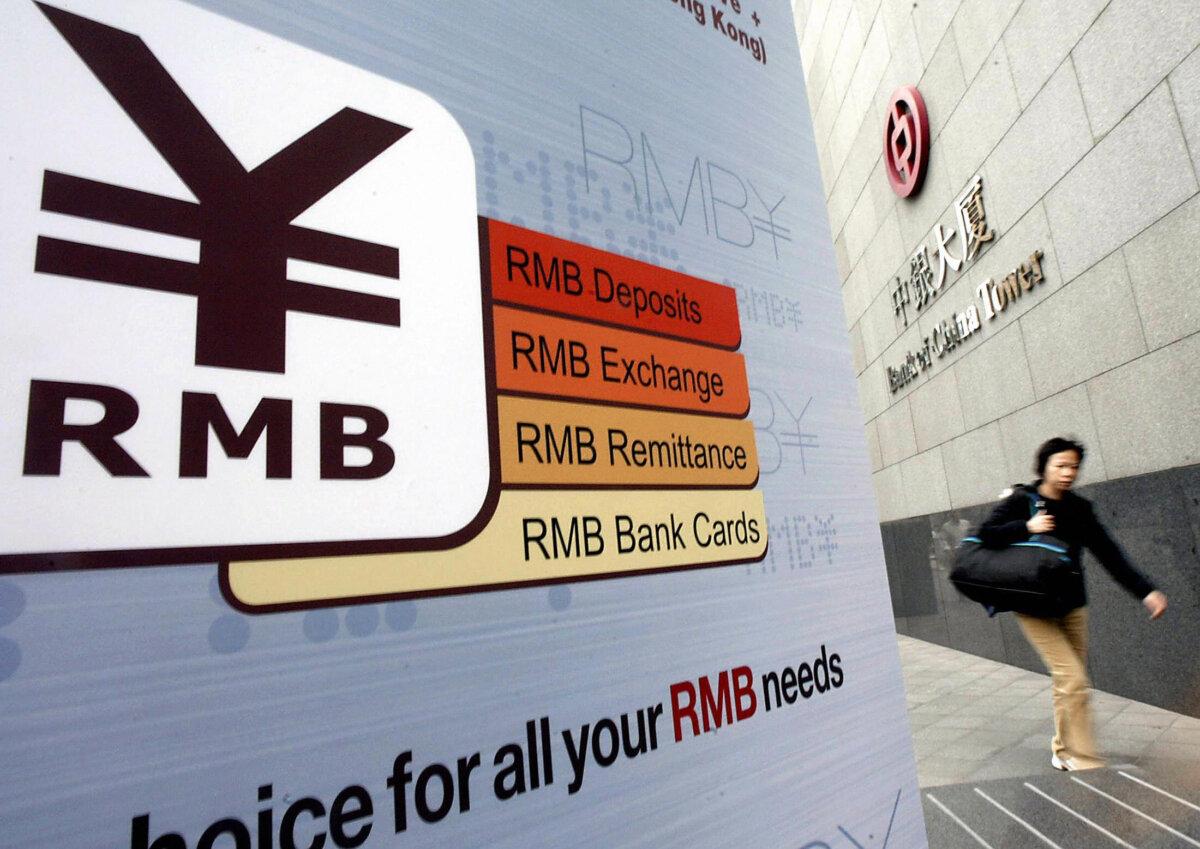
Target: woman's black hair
[1054,446]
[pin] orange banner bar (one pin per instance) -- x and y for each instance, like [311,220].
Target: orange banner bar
[557,443]
[544,355]
[535,270]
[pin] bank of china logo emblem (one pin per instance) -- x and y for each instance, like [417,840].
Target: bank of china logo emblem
[241,300]
[906,141]
[240,284]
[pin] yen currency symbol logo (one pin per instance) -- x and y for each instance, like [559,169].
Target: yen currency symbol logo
[243,219]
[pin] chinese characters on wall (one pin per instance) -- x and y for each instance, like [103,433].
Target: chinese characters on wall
[929,270]
[925,282]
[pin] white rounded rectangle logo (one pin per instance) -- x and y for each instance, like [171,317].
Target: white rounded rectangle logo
[241,300]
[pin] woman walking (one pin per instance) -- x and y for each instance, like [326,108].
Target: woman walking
[1061,640]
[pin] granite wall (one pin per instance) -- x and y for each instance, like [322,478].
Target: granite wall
[1083,120]
[1155,518]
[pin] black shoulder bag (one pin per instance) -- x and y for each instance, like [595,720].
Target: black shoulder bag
[1025,577]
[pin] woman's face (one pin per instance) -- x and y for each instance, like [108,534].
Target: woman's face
[1062,469]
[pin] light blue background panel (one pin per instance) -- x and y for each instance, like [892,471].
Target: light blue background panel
[138,691]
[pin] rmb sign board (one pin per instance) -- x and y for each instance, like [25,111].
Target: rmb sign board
[433,425]
[189,263]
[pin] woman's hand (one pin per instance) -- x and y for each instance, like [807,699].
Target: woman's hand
[1156,603]
[1042,523]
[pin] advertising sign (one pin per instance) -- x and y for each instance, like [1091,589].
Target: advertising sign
[433,425]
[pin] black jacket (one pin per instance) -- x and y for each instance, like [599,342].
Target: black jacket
[1076,525]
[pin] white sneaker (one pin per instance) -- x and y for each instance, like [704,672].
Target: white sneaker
[1062,764]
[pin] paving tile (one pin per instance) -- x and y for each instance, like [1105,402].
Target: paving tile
[917,721]
[938,734]
[1173,766]
[958,736]
[1032,682]
[1183,736]
[999,736]
[994,707]
[962,720]
[1122,754]
[944,705]
[1012,763]
[939,775]
[981,689]
[1030,711]
[964,750]
[1039,740]
[1146,715]
[1118,730]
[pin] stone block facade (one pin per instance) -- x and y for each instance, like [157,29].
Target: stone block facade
[1083,121]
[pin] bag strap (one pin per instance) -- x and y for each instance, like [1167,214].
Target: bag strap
[1035,504]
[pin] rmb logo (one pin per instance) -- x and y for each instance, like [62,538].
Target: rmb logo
[240,284]
[241,383]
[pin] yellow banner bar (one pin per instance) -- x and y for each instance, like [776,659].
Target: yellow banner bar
[535,536]
[555,442]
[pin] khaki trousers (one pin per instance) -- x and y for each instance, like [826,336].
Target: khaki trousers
[1062,643]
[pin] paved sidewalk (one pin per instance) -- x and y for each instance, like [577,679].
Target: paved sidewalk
[1108,807]
[975,720]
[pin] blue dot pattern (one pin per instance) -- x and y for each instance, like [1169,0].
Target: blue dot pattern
[229,633]
[362,621]
[400,615]
[560,597]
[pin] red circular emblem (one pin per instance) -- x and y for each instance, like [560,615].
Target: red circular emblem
[906,141]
